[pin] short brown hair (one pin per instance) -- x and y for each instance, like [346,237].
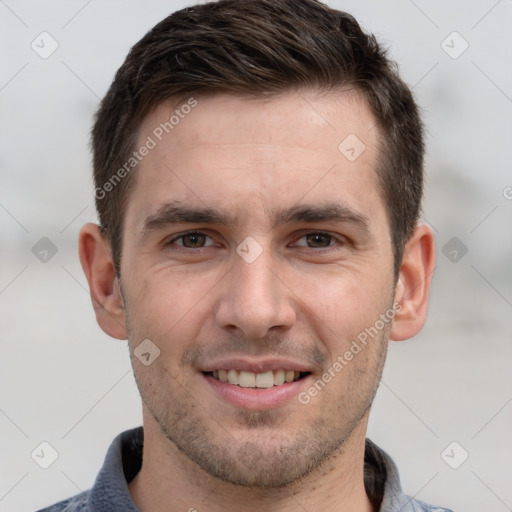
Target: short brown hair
[256,48]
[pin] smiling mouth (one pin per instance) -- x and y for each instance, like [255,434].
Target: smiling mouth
[245,379]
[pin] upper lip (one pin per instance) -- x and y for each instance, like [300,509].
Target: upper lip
[256,365]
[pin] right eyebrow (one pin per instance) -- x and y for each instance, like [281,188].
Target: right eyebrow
[174,213]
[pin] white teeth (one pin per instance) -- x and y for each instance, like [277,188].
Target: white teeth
[264,380]
[247,380]
[256,380]
[233,377]
[278,377]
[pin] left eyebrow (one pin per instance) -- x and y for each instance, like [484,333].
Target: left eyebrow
[331,212]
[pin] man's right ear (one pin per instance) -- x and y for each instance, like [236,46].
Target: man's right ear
[98,266]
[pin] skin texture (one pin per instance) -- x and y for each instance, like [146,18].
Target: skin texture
[304,299]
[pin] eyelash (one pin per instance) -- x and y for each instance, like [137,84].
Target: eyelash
[334,240]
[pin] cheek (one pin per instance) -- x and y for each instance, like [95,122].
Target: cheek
[344,306]
[167,304]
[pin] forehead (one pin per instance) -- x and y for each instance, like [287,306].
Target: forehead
[255,155]
[311,120]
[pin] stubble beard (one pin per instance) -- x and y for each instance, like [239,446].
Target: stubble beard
[272,458]
[258,463]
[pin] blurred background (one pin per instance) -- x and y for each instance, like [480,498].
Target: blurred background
[444,408]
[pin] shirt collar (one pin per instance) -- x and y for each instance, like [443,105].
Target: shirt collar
[124,460]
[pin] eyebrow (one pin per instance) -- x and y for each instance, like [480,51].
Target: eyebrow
[177,213]
[330,212]
[174,213]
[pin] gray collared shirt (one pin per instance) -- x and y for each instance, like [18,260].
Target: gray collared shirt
[124,460]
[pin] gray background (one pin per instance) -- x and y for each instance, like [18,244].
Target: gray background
[65,382]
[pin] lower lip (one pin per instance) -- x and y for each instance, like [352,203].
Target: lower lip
[256,399]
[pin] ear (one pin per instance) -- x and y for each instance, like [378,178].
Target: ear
[98,266]
[413,286]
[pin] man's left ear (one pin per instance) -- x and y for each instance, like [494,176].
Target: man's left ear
[413,286]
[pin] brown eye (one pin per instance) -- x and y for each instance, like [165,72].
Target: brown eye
[191,240]
[318,240]
[194,240]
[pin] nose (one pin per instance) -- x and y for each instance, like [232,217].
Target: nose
[255,301]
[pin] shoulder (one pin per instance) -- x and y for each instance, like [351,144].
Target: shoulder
[76,503]
[408,504]
[382,483]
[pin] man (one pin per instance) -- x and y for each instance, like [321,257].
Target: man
[258,171]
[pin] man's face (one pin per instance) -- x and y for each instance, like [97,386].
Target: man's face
[254,245]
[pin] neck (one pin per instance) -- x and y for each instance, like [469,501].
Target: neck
[169,477]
